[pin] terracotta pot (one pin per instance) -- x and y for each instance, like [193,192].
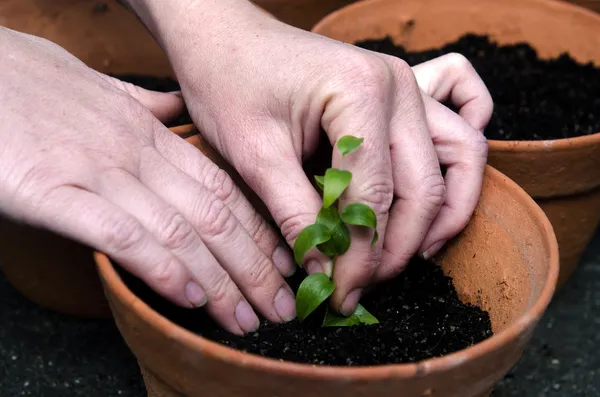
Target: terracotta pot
[301,13]
[591,4]
[513,277]
[562,175]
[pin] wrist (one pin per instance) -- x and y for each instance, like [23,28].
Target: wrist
[175,23]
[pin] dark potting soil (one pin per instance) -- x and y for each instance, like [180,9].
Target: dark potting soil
[161,84]
[534,99]
[419,312]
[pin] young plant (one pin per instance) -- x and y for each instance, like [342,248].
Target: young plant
[330,235]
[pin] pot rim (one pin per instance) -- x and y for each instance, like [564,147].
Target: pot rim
[559,144]
[195,342]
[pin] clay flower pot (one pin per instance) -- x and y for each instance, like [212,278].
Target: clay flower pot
[513,277]
[562,175]
[301,13]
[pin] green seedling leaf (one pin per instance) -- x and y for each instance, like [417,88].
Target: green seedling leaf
[320,179]
[360,316]
[313,291]
[364,316]
[308,238]
[361,215]
[335,182]
[340,235]
[347,144]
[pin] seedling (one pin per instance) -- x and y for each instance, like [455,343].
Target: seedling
[330,235]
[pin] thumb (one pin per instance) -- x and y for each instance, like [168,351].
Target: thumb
[165,106]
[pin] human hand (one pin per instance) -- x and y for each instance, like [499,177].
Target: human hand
[261,91]
[86,156]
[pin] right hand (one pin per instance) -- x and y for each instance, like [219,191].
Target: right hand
[86,156]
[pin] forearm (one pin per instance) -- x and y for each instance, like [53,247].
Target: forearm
[175,23]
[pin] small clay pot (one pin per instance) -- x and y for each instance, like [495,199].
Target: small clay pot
[513,277]
[562,175]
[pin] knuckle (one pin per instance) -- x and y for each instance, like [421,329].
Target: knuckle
[432,193]
[221,287]
[214,218]
[370,77]
[258,273]
[165,274]
[258,229]
[292,225]
[121,234]
[478,145]
[379,195]
[174,231]
[458,61]
[219,183]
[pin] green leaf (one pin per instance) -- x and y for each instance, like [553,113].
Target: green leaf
[340,235]
[361,215]
[320,179]
[364,316]
[335,320]
[360,316]
[336,181]
[308,238]
[347,144]
[313,291]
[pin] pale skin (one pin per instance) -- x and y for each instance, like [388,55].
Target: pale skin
[88,157]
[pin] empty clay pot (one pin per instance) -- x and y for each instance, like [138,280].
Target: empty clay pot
[513,277]
[562,175]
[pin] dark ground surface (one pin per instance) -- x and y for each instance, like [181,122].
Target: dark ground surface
[44,354]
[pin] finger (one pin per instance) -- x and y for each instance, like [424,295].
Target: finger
[230,244]
[194,163]
[274,171]
[164,106]
[463,150]
[453,77]
[418,183]
[94,221]
[371,184]
[177,236]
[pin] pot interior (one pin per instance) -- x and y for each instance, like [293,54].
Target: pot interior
[503,260]
[550,26]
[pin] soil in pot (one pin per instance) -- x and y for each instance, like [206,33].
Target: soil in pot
[420,317]
[534,99]
[162,84]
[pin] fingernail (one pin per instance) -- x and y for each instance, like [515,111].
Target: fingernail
[313,266]
[195,294]
[246,317]
[350,302]
[176,93]
[433,249]
[285,304]
[283,261]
